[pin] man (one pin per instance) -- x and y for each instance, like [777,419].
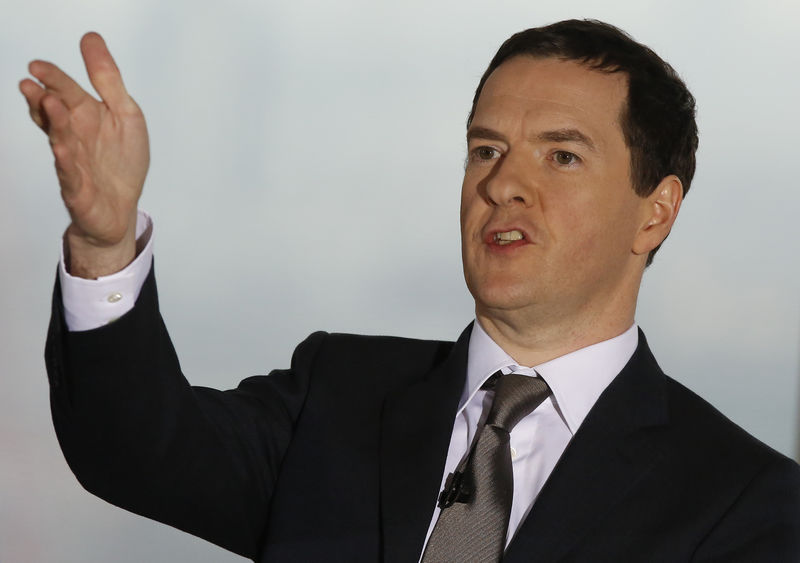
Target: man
[581,148]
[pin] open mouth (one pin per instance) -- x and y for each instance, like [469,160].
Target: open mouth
[507,237]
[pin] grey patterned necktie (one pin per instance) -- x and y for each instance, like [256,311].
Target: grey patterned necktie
[476,501]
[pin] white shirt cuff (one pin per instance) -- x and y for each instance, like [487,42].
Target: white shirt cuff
[90,304]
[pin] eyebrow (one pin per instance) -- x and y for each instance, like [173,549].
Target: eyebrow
[554,136]
[484,133]
[565,135]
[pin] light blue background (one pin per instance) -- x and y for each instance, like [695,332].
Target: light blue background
[307,160]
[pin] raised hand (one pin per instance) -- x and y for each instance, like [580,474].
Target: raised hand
[101,154]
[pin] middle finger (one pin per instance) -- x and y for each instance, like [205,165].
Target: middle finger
[59,82]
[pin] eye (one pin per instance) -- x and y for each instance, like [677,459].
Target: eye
[565,158]
[484,152]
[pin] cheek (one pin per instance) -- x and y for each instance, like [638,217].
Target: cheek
[603,233]
[471,208]
[586,232]
[464,204]
[463,211]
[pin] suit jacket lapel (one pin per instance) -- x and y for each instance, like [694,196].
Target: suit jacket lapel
[610,452]
[415,435]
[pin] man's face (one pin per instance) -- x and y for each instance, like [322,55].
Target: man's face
[548,213]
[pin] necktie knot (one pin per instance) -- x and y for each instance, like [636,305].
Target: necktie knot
[515,396]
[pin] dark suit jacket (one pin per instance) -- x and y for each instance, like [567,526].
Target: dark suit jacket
[340,457]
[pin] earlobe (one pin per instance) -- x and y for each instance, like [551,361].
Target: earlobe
[660,211]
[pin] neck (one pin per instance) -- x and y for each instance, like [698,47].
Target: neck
[532,337]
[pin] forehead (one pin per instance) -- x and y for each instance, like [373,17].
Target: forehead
[528,92]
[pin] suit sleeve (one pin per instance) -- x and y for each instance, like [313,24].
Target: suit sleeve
[763,523]
[136,434]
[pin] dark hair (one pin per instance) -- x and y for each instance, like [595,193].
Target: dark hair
[658,120]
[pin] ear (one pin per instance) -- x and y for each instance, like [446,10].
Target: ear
[659,211]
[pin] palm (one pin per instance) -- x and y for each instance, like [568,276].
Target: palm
[111,157]
[101,148]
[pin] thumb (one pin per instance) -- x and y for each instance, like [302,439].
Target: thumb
[103,72]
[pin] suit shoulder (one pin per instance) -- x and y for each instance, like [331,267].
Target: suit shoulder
[339,352]
[744,492]
[703,427]
[373,346]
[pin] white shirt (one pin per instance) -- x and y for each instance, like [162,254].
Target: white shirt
[91,304]
[576,379]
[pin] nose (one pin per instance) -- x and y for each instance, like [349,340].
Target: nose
[509,183]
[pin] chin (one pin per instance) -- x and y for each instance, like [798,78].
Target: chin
[501,296]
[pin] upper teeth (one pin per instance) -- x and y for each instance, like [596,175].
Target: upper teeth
[508,237]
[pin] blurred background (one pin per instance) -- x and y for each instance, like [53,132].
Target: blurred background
[306,165]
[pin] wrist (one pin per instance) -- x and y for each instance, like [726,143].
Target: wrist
[85,258]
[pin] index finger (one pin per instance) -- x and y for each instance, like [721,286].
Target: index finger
[103,71]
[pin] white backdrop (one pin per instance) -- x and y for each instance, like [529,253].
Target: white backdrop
[307,160]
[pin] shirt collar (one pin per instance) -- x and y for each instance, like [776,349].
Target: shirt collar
[576,379]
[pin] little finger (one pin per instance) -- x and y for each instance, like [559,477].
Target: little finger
[33,94]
